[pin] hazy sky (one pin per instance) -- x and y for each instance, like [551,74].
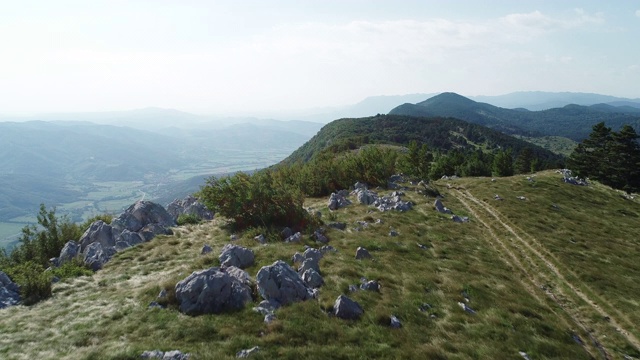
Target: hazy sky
[224,57]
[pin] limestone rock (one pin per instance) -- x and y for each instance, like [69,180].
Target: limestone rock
[440,208]
[95,255]
[312,278]
[128,239]
[68,252]
[168,355]
[346,308]
[9,291]
[281,283]
[141,214]
[395,322]
[211,291]
[206,249]
[245,353]
[189,206]
[338,200]
[362,253]
[294,238]
[371,285]
[98,232]
[238,256]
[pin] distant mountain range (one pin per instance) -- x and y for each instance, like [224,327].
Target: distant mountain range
[571,121]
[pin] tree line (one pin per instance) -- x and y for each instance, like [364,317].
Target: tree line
[610,157]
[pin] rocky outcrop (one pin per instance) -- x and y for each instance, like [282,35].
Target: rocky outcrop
[281,283]
[95,255]
[141,222]
[9,292]
[238,256]
[68,252]
[213,291]
[338,200]
[189,206]
[346,308]
[99,232]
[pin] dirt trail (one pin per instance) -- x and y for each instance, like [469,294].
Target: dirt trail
[527,257]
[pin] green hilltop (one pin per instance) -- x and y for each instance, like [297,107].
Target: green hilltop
[551,276]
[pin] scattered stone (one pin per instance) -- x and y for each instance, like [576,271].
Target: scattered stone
[163,294]
[338,225]
[238,256]
[233,237]
[371,285]
[521,198]
[261,239]
[338,200]
[189,206]
[346,308]
[9,291]
[245,353]
[424,307]
[569,179]
[497,197]
[440,208]
[577,339]
[269,318]
[393,233]
[213,290]
[312,278]
[395,322]
[312,253]
[294,238]
[353,288]
[466,308]
[307,264]
[327,248]
[365,196]
[267,307]
[458,219]
[423,247]
[286,232]
[281,283]
[168,355]
[320,237]
[524,355]
[206,249]
[156,305]
[362,253]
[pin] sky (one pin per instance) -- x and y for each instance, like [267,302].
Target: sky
[257,56]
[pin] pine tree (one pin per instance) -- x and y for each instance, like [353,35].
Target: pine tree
[503,163]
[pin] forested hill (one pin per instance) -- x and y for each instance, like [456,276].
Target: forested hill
[437,132]
[571,121]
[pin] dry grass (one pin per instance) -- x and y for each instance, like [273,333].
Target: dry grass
[107,316]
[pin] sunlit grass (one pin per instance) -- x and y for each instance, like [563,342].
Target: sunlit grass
[106,316]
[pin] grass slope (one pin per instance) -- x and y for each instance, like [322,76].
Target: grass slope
[554,276]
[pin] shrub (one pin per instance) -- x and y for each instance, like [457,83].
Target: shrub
[185,219]
[71,269]
[34,282]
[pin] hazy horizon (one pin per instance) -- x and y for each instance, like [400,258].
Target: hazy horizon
[252,58]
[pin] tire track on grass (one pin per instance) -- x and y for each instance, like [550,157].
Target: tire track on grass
[559,274]
[555,270]
[535,276]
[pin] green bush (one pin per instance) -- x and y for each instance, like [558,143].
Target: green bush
[257,200]
[71,269]
[185,219]
[34,282]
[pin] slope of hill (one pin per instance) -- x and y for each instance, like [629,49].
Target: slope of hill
[572,121]
[437,133]
[541,100]
[552,276]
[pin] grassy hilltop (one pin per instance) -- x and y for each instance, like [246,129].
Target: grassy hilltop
[553,276]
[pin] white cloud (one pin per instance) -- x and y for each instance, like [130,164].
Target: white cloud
[638,13]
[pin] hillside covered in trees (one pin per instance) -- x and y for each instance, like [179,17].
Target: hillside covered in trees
[571,121]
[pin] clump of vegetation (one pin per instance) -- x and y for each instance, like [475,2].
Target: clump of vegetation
[185,219]
[256,200]
[26,264]
[613,158]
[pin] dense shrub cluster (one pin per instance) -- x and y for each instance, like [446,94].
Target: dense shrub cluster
[26,264]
